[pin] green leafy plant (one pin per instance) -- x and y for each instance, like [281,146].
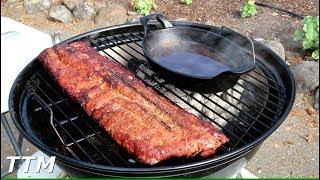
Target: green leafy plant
[187,2]
[143,7]
[248,9]
[309,35]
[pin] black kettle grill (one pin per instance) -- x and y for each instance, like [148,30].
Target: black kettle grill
[248,112]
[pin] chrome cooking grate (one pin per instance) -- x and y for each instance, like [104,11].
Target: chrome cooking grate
[243,113]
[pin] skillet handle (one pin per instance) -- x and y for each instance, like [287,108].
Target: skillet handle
[144,21]
[252,44]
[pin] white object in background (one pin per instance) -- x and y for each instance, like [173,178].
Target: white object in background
[245,174]
[235,170]
[20,44]
[57,172]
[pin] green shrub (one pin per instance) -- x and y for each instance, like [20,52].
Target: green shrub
[187,2]
[248,9]
[309,35]
[143,7]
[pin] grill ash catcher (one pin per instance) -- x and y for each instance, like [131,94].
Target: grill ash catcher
[258,99]
[196,59]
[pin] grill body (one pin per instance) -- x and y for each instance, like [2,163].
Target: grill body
[247,113]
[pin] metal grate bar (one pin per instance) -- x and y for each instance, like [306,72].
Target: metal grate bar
[263,91]
[87,124]
[239,100]
[268,85]
[115,152]
[260,96]
[66,121]
[157,82]
[232,114]
[136,42]
[242,136]
[61,127]
[263,106]
[132,41]
[81,139]
[269,79]
[72,153]
[50,104]
[79,130]
[248,129]
[240,110]
[234,125]
[74,125]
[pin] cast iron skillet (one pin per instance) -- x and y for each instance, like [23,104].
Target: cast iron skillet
[193,58]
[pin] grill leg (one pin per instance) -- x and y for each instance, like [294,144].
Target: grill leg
[20,141]
[16,145]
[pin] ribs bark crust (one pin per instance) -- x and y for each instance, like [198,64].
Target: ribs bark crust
[146,124]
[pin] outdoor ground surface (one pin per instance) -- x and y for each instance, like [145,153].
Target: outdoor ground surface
[291,151]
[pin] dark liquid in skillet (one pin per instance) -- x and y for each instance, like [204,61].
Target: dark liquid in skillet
[192,64]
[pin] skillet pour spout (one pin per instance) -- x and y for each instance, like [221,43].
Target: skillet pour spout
[193,58]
